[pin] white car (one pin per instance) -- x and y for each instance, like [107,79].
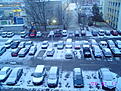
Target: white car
[60,45]
[64,33]
[4,73]
[103,44]
[53,77]
[21,45]
[68,43]
[45,44]
[32,50]
[108,80]
[77,45]
[97,52]
[118,43]
[107,52]
[39,34]
[39,75]
[69,54]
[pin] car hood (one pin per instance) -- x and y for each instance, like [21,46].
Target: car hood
[52,81]
[37,80]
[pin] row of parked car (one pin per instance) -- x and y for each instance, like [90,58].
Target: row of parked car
[7,34]
[11,76]
[102,32]
[19,48]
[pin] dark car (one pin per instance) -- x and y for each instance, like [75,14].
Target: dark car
[2,50]
[78,78]
[58,33]
[116,52]
[114,32]
[50,52]
[15,44]
[86,52]
[32,33]
[77,34]
[94,32]
[15,52]
[14,76]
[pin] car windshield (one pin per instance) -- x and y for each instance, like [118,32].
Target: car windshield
[52,76]
[37,75]
[108,77]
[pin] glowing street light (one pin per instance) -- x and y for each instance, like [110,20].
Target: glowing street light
[54,21]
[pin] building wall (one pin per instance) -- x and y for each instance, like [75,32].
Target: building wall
[112,10]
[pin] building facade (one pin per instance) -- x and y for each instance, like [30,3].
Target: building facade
[112,13]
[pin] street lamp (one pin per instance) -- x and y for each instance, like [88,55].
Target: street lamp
[54,21]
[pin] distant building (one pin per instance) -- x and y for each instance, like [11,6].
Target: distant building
[112,13]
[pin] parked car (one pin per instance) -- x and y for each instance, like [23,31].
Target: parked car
[97,52]
[39,75]
[78,78]
[39,34]
[2,50]
[60,45]
[86,51]
[15,52]
[107,79]
[101,32]
[83,33]
[107,52]
[114,32]
[15,44]
[77,34]
[93,42]
[116,52]
[23,34]
[32,33]
[8,43]
[58,33]
[94,32]
[4,34]
[4,73]
[14,76]
[50,52]
[21,45]
[70,34]
[111,44]
[64,33]
[53,77]
[103,44]
[10,34]
[118,43]
[107,32]
[45,44]
[77,45]
[29,43]
[23,52]
[119,32]
[69,54]
[68,43]
[33,50]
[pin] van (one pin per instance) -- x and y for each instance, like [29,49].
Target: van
[39,75]
[53,77]
[68,43]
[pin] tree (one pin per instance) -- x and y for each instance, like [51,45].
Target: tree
[97,15]
[36,13]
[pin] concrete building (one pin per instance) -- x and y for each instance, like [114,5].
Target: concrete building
[112,13]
